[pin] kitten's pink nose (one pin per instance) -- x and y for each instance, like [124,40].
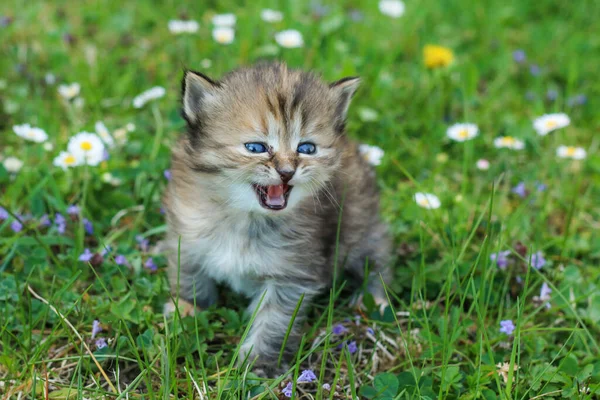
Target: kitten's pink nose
[286,174]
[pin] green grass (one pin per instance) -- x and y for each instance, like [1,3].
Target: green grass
[441,339]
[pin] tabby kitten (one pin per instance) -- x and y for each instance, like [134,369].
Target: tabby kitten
[258,183]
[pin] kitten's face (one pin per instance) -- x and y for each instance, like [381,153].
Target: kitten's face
[266,138]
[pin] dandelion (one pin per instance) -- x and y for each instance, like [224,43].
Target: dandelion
[151,94]
[87,147]
[462,132]
[520,190]
[504,369]
[289,38]
[12,164]
[483,164]
[372,154]
[223,35]
[500,258]
[271,16]
[66,160]
[576,153]
[352,347]
[150,264]
[287,391]
[96,328]
[306,376]
[507,326]
[86,255]
[437,56]
[519,56]
[88,226]
[101,343]
[120,259]
[16,226]
[224,20]
[538,260]
[427,200]
[392,8]
[69,92]
[102,131]
[550,122]
[509,142]
[30,133]
[177,26]
[339,329]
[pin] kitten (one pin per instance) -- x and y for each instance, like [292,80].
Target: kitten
[258,183]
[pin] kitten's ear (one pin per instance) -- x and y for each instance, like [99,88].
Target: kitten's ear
[198,89]
[343,91]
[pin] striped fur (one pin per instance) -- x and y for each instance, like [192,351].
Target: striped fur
[227,237]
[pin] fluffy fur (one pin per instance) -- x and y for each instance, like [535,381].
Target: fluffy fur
[224,235]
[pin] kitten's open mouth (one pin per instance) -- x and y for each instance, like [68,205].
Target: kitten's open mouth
[274,197]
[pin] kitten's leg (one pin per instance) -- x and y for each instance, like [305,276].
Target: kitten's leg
[271,322]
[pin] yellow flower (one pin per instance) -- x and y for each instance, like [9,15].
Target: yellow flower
[437,56]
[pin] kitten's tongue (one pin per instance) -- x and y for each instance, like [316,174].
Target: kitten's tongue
[275,196]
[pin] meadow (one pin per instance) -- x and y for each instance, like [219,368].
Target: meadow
[495,212]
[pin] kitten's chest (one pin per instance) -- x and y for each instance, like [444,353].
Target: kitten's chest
[242,253]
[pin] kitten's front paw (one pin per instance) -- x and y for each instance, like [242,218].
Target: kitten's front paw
[186,309]
[263,368]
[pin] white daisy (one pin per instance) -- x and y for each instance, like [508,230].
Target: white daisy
[50,79]
[206,63]
[12,164]
[48,146]
[576,153]
[87,147]
[107,177]
[223,35]
[224,20]
[462,132]
[427,200]
[550,122]
[102,131]
[69,92]
[28,132]
[289,38]
[151,94]
[269,15]
[178,26]
[509,142]
[130,127]
[372,154]
[483,164]
[79,102]
[392,8]
[120,135]
[66,160]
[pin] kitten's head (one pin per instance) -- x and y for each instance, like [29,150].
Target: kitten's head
[265,137]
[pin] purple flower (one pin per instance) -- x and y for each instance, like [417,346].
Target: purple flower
[73,210]
[45,221]
[540,187]
[326,386]
[167,174]
[86,255]
[356,15]
[519,56]
[142,242]
[551,94]
[352,347]
[3,214]
[105,251]
[370,331]
[287,391]
[96,328]
[339,329]
[520,190]
[577,100]
[529,95]
[507,326]
[101,343]
[319,10]
[545,293]
[105,155]
[87,225]
[16,226]
[150,264]
[534,70]
[538,260]
[500,258]
[60,222]
[307,376]
[120,259]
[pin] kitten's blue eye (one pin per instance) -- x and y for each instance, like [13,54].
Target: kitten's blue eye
[307,148]
[256,147]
